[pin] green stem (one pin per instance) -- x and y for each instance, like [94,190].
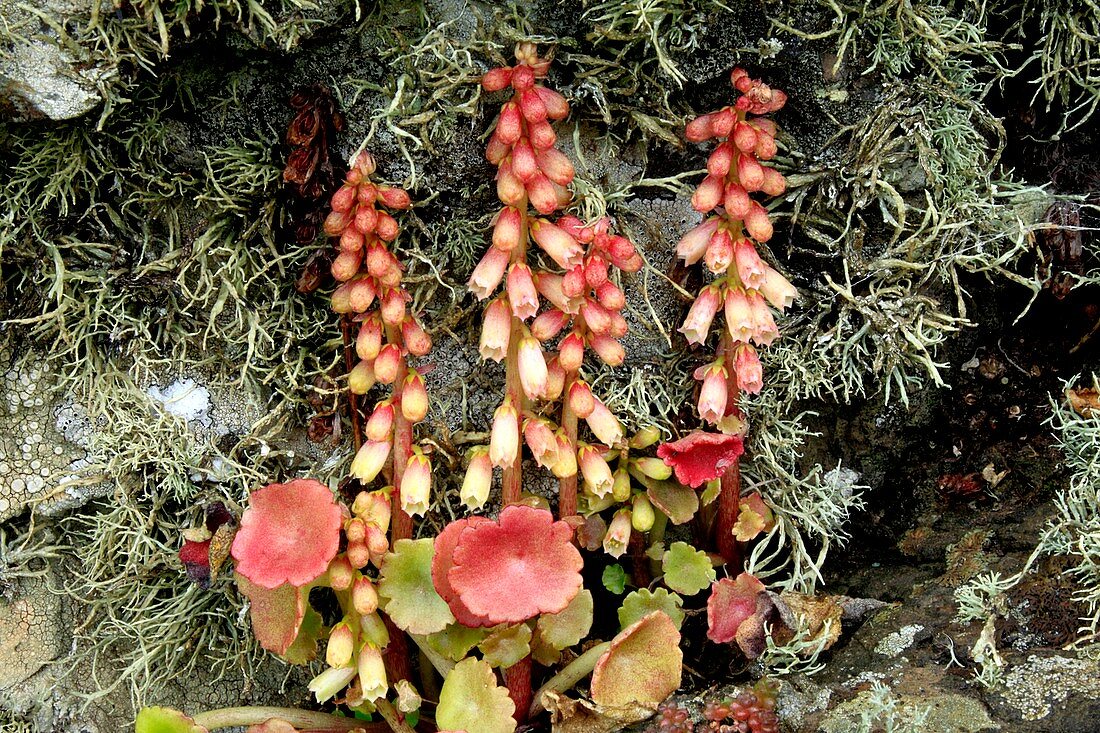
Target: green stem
[440,662]
[395,719]
[569,675]
[235,717]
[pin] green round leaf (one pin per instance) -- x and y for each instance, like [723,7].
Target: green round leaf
[614,578]
[471,701]
[165,720]
[643,602]
[407,592]
[506,645]
[686,569]
[456,641]
[642,665]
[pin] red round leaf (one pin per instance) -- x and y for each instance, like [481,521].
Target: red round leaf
[700,457]
[516,568]
[731,602]
[442,562]
[289,534]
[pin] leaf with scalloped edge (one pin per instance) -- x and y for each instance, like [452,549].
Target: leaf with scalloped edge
[456,641]
[642,665]
[165,720]
[678,502]
[686,569]
[506,645]
[557,631]
[644,601]
[407,592]
[277,614]
[471,701]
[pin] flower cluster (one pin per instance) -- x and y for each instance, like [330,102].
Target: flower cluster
[370,293]
[725,242]
[585,303]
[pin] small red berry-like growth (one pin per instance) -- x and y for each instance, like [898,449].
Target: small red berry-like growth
[513,569]
[701,457]
[726,242]
[289,534]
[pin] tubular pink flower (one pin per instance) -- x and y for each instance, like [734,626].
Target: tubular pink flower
[504,437]
[618,534]
[694,244]
[714,393]
[542,441]
[764,330]
[594,469]
[507,231]
[416,484]
[604,425]
[719,252]
[380,423]
[553,240]
[697,324]
[750,268]
[478,479]
[510,189]
[414,397]
[488,273]
[778,290]
[369,460]
[740,322]
[581,399]
[550,286]
[555,378]
[750,374]
[708,194]
[522,295]
[532,367]
[496,330]
[542,193]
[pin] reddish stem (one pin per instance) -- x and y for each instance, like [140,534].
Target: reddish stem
[517,679]
[567,485]
[396,655]
[639,563]
[512,481]
[729,500]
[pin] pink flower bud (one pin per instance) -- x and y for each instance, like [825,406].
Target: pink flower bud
[757,223]
[720,160]
[341,644]
[557,108]
[387,364]
[414,397]
[605,426]
[366,219]
[610,351]
[619,327]
[358,554]
[737,201]
[368,462]
[343,199]
[508,229]
[369,340]
[366,194]
[571,352]
[542,194]
[392,306]
[555,378]
[701,315]
[548,324]
[416,485]
[510,189]
[765,148]
[504,437]
[708,195]
[346,265]
[531,106]
[379,260]
[744,136]
[417,341]
[581,400]
[364,164]
[556,166]
[573,282]
[575,228]
[380,423]
[394,198]
[739,318]
[336,222]
[764,330]
[774,182]
[340,573]
[522,296]
[553,240]
[372,673]
[719,252]
[567,459]
[552,287]
[610,296]
[750,172]
[750,374]
[694,244]
[532,367]
[496,330]
[714,393]
[386,227]
[350,240]
[595,271]
[478,480]
[364,596]
[750,268]
[542,441]
[594,469]
[654,468]
[509,128]
[373,507]
[523,161]
[523,77]
[377,542]
[700,129]
[488,273]
[723,122]
[361,378]
[777,289]
[341,299]
[542,135]
[356,529]
[595,316]
[361,292]
[496,151]
[496,79]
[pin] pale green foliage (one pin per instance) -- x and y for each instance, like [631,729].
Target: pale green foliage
[883,711]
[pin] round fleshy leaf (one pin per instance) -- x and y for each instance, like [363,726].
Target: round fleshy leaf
[566,628]
[276,613]
[731,602]
[679,503]
[442,562]
[686,569]
[456,641]
[471,701]
[506,645]
[289,534]
[520,566]
[165,720]
[410,599]
[643,602]
[642,665]
[699,457]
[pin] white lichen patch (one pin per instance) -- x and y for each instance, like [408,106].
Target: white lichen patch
[184,398]
[1035,687]
[894,644]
